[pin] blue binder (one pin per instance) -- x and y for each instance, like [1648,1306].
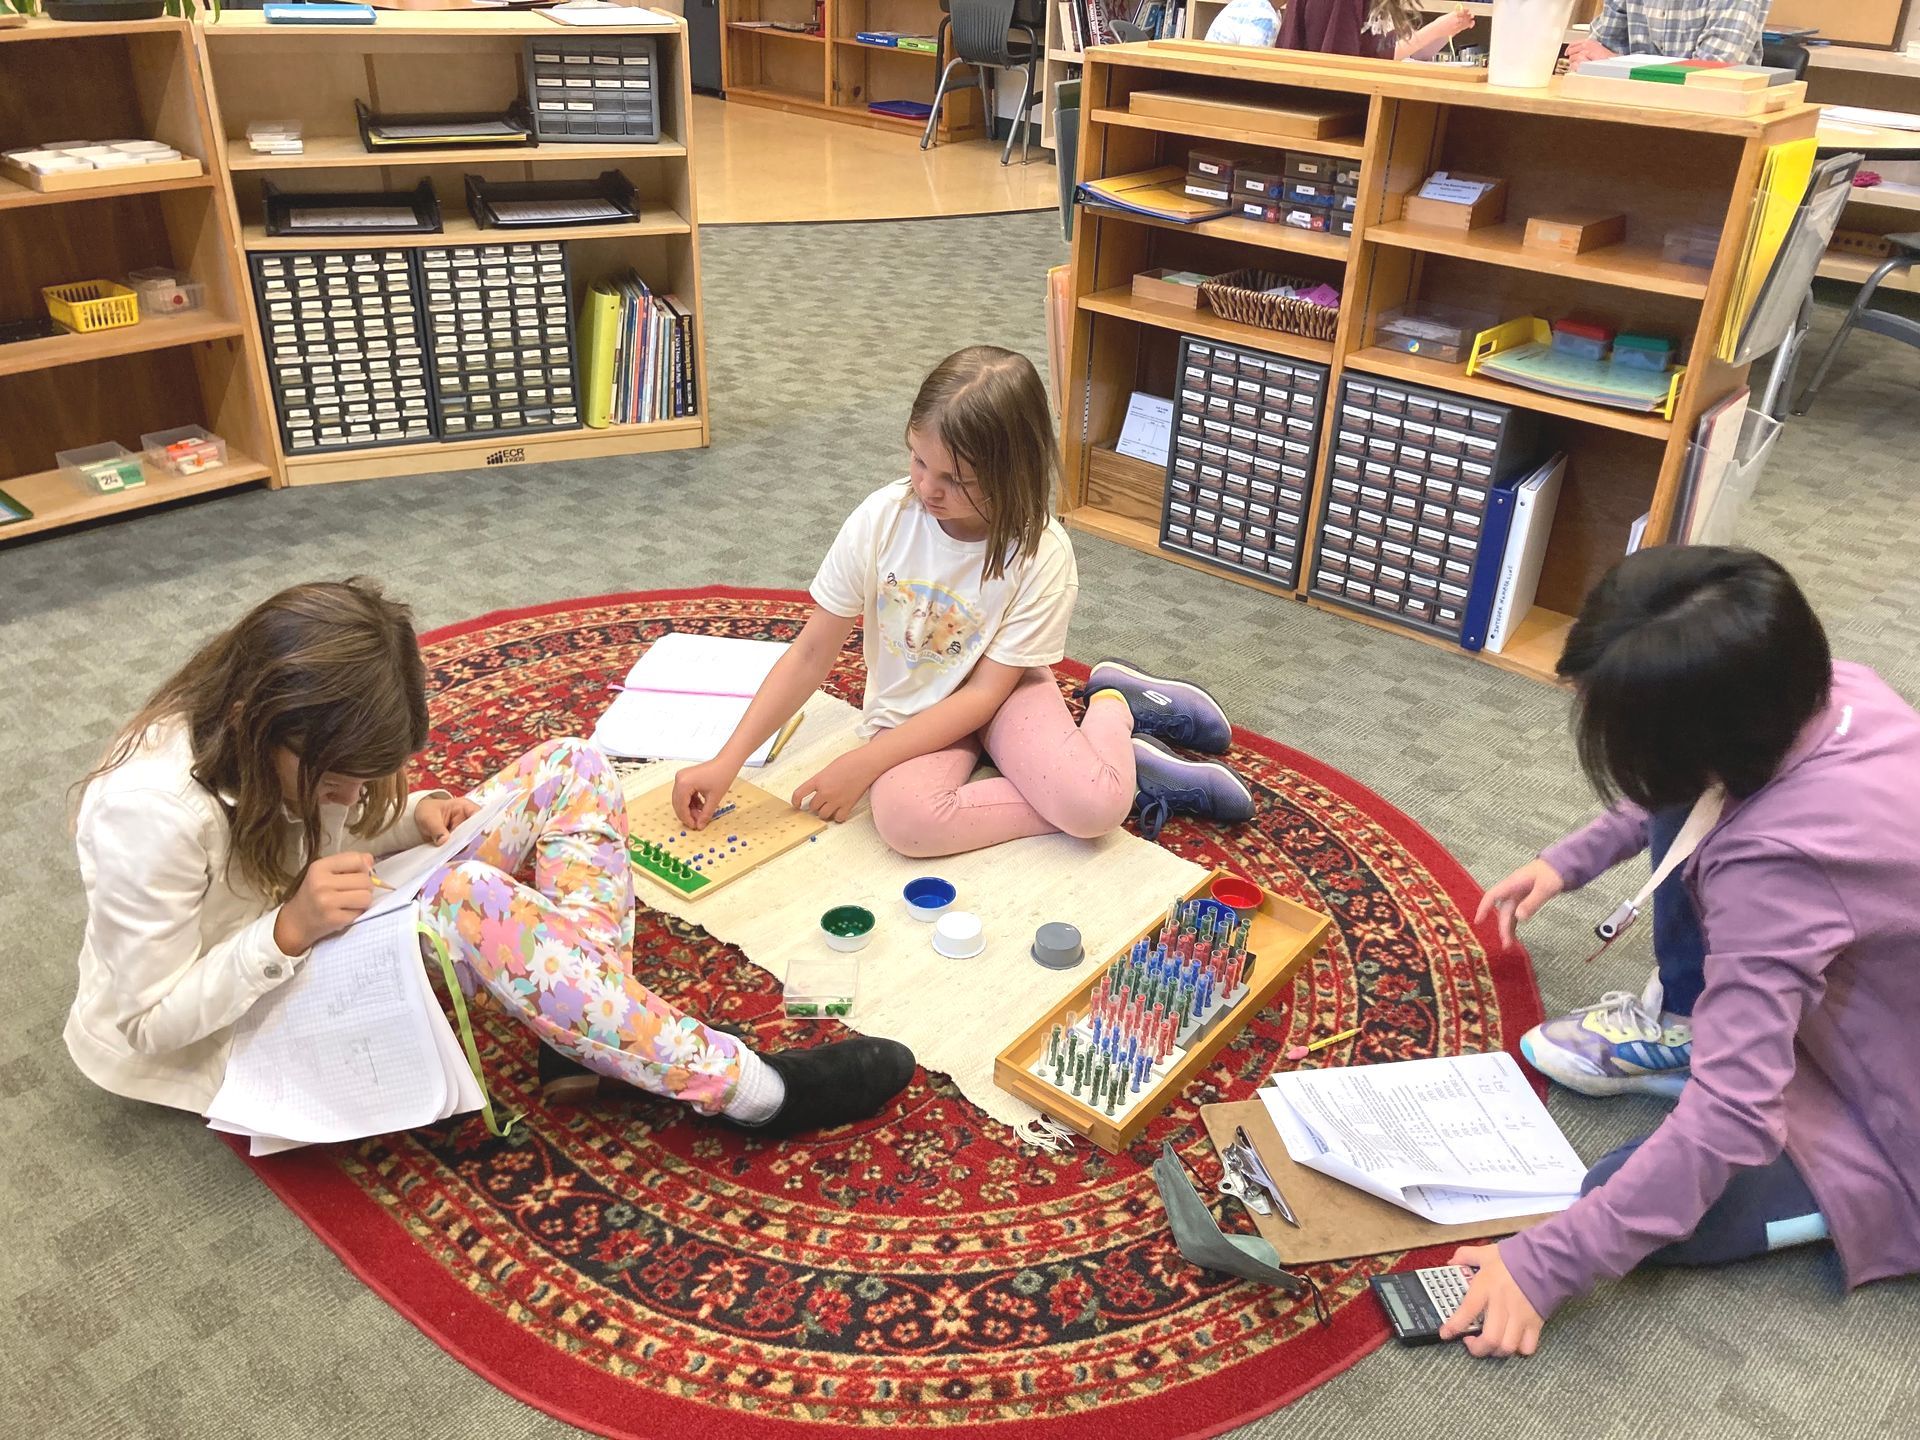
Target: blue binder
[318,14]
[1495,526]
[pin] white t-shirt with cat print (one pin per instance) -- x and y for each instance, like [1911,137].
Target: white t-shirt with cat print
[929,616]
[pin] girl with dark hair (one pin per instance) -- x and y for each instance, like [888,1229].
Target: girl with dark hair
[1778,793]
[235,822]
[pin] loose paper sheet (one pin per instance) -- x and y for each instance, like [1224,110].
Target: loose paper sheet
[1459,1139]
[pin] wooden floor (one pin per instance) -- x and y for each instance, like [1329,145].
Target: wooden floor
[757,166]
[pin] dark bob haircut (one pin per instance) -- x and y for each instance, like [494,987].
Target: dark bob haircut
[1693,663]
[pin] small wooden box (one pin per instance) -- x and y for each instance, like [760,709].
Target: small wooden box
[1574,232]
[1489,209]
[1155,286]
[1284,937]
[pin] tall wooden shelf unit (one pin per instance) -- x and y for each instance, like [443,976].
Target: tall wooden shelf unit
[1659,167]
[425,62]
[834,73]
[137,79]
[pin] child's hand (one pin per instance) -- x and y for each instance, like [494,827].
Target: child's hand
[438,817]
[1519,896]
[697,791]
[333,893]
[1457,23]
[832,794]
[1509,1325]
[1582,51]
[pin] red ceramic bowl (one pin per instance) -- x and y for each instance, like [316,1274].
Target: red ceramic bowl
[1243,895]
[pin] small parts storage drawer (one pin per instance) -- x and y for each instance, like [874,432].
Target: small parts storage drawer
[1405,500]
[344,348]
[596,88]
[1246,427]
[500,338]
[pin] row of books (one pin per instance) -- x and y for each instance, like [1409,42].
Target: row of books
[636,351]
[1090,22]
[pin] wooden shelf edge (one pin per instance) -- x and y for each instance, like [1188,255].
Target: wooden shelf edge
[14,196]
[1144,536]
[461,230]
[343,152]
[1344,147]
[156,334]
[1280,239]
[1442,375]
[739,29]
[1125,305]
[57,502]
[1624,266]
[381,461]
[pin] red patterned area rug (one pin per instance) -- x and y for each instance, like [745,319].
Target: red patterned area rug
[641,1272]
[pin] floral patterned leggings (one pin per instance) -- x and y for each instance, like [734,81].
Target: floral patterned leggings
[559,953]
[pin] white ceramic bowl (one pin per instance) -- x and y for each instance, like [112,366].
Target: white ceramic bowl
[958,935]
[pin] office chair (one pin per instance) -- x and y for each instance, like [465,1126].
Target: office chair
[982,32]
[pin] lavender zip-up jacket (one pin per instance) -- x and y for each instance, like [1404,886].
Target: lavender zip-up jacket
[1809,894]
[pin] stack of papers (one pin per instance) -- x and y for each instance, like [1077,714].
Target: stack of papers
[1159,193]
[1459,1140]
[683,698]
[355,1044]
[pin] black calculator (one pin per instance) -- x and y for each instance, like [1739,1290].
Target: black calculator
[1418,1302]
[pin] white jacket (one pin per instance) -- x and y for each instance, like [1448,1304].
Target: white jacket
[176,948]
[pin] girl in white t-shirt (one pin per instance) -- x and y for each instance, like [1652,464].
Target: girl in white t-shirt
[964,583]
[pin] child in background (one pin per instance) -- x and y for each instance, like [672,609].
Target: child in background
[235,823]
[965,583]
[1729,30]
[1788,992]
[1372,29]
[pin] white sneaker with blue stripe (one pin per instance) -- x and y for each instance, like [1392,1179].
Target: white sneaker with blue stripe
[1623,1045]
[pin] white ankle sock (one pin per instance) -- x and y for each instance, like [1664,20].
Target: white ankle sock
[760,1093]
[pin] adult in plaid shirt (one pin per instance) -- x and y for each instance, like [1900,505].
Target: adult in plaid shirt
[1679,29]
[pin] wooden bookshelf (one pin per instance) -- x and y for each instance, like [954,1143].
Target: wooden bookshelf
[1661,168]
[427,61]
[830,72]
[116,80]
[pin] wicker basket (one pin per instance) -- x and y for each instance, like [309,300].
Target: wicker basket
[1237,295]
[89,305]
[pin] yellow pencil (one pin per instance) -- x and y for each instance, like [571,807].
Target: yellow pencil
[378,883]
[1300,1052]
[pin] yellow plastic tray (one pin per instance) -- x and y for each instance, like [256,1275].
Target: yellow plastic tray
[89,305]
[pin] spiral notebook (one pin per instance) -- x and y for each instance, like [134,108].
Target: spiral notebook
[683,698]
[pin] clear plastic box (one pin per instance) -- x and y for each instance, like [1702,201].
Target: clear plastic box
[1580,347]
[821,987]
[1691,245]
[1439,332]
[167,292]
[103,469]
[188,450]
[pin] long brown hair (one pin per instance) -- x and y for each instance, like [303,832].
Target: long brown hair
[1398,18]
[329,670]
[988,407]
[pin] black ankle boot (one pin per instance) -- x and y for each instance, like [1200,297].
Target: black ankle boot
[564,1080]
[836,1084]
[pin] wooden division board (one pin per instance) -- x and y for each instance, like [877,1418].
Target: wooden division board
[759,827]
[1284,937]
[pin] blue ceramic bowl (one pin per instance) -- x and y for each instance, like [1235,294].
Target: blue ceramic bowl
[928,897]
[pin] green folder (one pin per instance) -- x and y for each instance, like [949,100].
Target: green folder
[599,336]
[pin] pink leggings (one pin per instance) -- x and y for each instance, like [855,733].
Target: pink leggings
[1054,777]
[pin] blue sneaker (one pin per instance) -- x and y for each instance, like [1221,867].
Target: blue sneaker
[1624,1045]
[1167,785]
[1172,709]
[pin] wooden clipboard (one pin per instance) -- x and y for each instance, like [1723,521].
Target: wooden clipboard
[1337,1222]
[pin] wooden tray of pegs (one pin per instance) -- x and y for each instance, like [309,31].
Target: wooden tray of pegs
[1284,936]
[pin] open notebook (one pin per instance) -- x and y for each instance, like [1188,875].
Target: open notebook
[355,1044]
[1459,1140]
[683,698]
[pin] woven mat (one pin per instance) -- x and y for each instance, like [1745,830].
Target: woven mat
[955,1015]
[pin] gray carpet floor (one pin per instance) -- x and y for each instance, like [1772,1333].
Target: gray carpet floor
[158,1291]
